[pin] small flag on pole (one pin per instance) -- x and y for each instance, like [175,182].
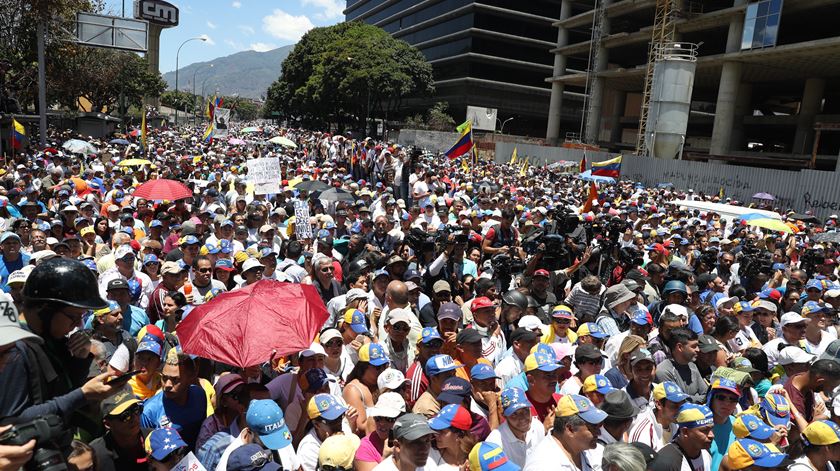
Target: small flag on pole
[582,164]
[18,134]
[464,143]
[208,133]
[513,157]
[607,168]
[591,198]
[524,170]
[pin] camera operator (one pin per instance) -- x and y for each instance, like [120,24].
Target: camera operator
[502,238]
[43,372]
[449,265]
[543,284]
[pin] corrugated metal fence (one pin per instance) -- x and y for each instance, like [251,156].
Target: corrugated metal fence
[814,190]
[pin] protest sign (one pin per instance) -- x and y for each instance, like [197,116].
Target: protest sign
[265,174]
[302,228]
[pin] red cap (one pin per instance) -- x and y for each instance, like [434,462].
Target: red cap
[541,272]
[659,248]
[482,302]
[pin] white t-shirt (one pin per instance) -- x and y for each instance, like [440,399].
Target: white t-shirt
[804,464]
[744,339]
[517,450]
[549,455]
[647,430]
[826,337]
[440,464]
[388,465]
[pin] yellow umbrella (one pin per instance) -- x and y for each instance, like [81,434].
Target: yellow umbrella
[134,162]
[771,224]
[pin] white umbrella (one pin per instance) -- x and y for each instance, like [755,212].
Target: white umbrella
[77,146]
[283,141]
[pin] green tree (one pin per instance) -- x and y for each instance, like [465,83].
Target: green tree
[179,100]
[349,72]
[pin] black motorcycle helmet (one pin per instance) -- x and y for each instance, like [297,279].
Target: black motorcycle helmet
[63,281]
[515,298]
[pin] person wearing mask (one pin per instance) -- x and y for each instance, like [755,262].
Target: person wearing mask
[572,443]
[412,445]
[655,426]
[689,450]
[680,368]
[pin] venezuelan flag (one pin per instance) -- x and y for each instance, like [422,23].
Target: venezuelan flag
[208,133]
[18,134]
[464,144]
[607,168]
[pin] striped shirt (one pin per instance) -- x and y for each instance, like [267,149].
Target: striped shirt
[584,305]
[647,430]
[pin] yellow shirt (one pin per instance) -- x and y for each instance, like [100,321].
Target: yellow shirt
[142,390]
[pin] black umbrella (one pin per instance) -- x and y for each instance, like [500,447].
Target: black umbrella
[804,218]
[311,185]
[831,237]
[335,194]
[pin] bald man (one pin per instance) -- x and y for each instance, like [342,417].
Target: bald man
[396,297]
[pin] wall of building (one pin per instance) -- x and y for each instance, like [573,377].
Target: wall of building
[803,190]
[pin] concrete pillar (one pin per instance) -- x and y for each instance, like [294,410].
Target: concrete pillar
[618,104]
[153,56]
[555,106]
[596,92]
[730,81]
[743,108]
[809,108]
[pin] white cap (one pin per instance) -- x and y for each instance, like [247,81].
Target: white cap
[69,208]
[399,315]
[18,276]
[541,210]
[792,355]
[122,251]
[251,263]
[354,294]
[10,329]
[765,304]
[722,301]
[43,255]
[51,241]
[314,349]
[328,335]
[530,322]
[832,293]
[677,309]
[391,378]
[793,318]
[389,404]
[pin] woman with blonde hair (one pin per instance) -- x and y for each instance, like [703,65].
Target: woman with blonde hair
[620,374]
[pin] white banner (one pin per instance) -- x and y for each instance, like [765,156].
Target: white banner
[302,228]
[265,174]
[221,119]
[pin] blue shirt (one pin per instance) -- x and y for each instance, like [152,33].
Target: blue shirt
[7,267]
[160,412]
[133,321]
[720,445]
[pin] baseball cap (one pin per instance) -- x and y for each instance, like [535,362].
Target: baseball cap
[227,383]
[794,355]
[356,320]
[599,383]
[411,427]
[440,286]
[224,264]
[726,300]
[487,456]
[266,419]
[150,345]
[440,364]
[451,415]
[315,379]
[707,344]
[338,451]
[574,404]
[429,334]
[251,457]
[562,311]
[743,364]
[813,307]
[821,432]
[354,294]
[119,402]
[389,404]
[314,348]
[170,268]
[161,442]
[775,409]
[482,371]
[468,335]
[750,426]
[374,354]
[521,334]
[694,415]
[641,354]
[391,378]
[325,406]
[541,272]
[250,264]
[670,391]
[450,311]
[10,329]
[792,318]
[541,361]
[513,399]
[592,329]
[641,316]
[399,315]
[454,390]
[329,334]
[481,302]
[725,384]
[832,351]
[746,452]
[587,352]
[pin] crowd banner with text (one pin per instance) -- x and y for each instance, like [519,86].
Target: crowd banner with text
[265,174]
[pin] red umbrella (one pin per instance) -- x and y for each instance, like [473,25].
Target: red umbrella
[243,327]
[163,189]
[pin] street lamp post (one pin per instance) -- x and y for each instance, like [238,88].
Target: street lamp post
[502,127]
[195,115]
[177,55]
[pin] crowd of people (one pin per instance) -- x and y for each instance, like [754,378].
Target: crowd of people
[482,316]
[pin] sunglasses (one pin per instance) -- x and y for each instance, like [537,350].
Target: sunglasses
[130,413]
[388,420]
[401,327]
[334,343]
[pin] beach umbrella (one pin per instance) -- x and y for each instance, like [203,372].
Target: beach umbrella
[311,185]
[335,194]
[283,141]
[764,196]
[163,189]
[78,146]
[133,162]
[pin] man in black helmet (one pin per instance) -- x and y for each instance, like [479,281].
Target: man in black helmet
[45,373]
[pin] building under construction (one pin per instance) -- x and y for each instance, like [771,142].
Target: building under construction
[764,77]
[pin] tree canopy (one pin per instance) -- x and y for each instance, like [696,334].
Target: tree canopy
[350,70]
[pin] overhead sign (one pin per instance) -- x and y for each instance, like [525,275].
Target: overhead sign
[158,12]
[112,32]
[483,119]
[265,174]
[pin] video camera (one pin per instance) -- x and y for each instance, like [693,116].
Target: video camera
[810,259]
[755,261]
[48,432]
[421,241]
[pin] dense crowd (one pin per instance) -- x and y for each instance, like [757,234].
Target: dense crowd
[481,316]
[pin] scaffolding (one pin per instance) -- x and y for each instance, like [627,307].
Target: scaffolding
[594,58]
[664,32]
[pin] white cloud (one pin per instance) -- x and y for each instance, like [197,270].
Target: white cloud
[246,29]
[236,4]
[235,44]
[262,47]
[332,9]
[211,25]
[287,27]
[208,39]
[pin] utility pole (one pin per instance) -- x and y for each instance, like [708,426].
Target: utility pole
[42,75]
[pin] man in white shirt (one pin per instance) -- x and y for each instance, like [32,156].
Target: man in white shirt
[267,427]
[522,340]
[413,440]
[793,332]
[520,434]
[573,442]
[655,426]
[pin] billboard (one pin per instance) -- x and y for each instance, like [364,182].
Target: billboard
[483,119]
[157,12]
[112,32]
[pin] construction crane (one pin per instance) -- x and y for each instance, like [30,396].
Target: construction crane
[664,32]
[592,64]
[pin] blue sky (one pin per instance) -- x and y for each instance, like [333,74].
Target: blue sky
[237,25]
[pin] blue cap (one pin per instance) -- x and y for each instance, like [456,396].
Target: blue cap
[640,317]
[329,226]
[267,252]
[80,220]
[266,419]
[150,345]
[513,399]
[224,264]
[356,320]
[381,272]
[162,442]
[748,425]
[150,258]
[441,364]
[325,406]
[454,390]
[90,263]
[428,334]
[225,246]
[778,266]
[190,240]
[127,230]
[212,249]
[814,283]
[482,371]
[323,234]
[487,456]
[775,409]
[252,457]
[155,223]
[226,222]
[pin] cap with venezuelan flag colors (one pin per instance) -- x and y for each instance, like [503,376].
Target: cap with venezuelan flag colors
[374,354]
[574,404]
[486,456]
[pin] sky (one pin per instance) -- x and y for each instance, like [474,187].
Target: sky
[236,25]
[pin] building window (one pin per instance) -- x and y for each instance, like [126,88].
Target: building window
[761,25]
